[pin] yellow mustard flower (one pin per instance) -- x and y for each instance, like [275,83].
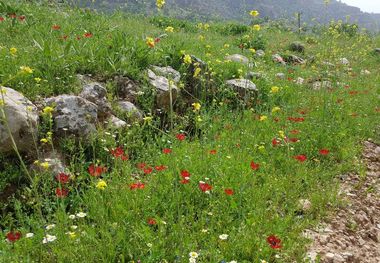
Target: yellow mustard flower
[196,106]
[169,29]
[196,72]
[263,118]
[276,109]
[254,13]
[44,140]
[256,27]
[48,110]
[37,80]
[101,185]
[13,51]
[26,70]
[187,59]
[45,165]
[160,3]
[274,89]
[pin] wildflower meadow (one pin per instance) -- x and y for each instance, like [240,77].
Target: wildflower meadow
[133,138]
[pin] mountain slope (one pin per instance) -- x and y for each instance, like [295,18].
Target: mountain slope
[312,10]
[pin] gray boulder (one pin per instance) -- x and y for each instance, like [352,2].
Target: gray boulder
[293,59]
[73,115]
[243,87]
[260,53]
[22,118]
[129,109]
[317,85]
[126,88]
[162,87]
[344,61]
[280,75]
[167,72]
[115,122]
[237,58]
[97,94]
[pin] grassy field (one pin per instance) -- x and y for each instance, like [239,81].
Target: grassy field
[230,189]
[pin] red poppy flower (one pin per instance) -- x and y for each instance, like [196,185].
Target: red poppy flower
[62,178]
[212,151]
[61,192]
[291,139]
[141,165]
[354,92]
[229,191]
[290,79]
[148,170]
[96,171]
[185,181]
[324,151]
[157,39]
[275,142]
[205,187]
[13,236]
[137,186]
[151,221]
[274,242]
[294,131]
[181,136]
[161,167]
[88,35]
[303,112]
[296,119]
[64,37]
[185,174]
[301,158]
[21,18]
[166,151]
[56,27]
[1,19]
[119,153]
[255,166]
[78,38]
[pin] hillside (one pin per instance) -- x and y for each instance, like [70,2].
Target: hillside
[148,139]
[313,11]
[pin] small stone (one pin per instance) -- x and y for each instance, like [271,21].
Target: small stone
[344,61]
[304,204]
[280,75]
[237,58]
[330,257]
[260,53]
[277,58]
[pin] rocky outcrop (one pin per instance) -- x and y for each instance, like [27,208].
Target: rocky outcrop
[97,94]
[22,119]
[243,87]
[163,89]
[167,72]
[131,112]
[237,58]
[73,115]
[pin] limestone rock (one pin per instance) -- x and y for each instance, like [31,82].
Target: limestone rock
[167,72]
[129,109]
[22,118]
[97,94]
[237,58]
[162,86]
[242,86]
[73,115]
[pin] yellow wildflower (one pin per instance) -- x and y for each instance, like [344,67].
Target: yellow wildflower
[263,118]
[206,26]
[274,89]
[160,3]
[201,38]
[26,70]
[169,29]
[148,119]
[13,51]
[72,234]
[196,106]
[276,109]
[187,59]
[282,134]
[196,72]
[45,165]
[254,13]
[38,80]
[226,46]
[101,185]
[252,50]
[256,27]
[261,148]
[48,110]
[44,140]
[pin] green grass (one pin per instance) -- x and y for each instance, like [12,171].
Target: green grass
[265,201]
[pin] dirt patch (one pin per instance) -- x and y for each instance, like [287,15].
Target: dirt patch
[353,233]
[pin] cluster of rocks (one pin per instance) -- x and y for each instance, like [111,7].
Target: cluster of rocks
[80,115]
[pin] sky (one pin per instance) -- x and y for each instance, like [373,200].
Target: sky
[372,6]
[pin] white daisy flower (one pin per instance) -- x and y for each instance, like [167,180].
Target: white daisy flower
[29,235]
[193,255]
[49,238]
[223,237]
[48,227]
[81,215]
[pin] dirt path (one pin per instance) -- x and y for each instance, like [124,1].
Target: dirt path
[353,233]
